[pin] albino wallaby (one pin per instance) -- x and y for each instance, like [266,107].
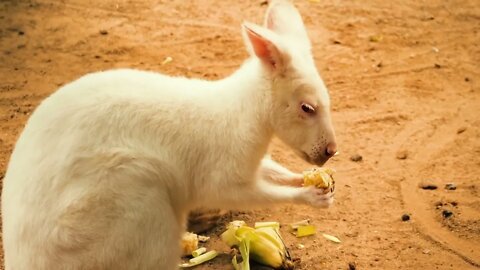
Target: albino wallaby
[108,167]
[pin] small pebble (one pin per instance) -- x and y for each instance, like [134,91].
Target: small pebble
[103,32]
[428,186]
[21,33]
[437,65]
[376,38]
[461,130]
[405,217]
[467,79]
[356,158]
[426,251]
[402,154]
[450,186]
[352,266]
[454,203]
[447,213]
[439,205]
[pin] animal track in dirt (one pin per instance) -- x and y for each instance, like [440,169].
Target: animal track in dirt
[427,222]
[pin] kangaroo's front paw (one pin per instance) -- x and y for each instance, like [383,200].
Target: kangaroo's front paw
[317,197]
[295,180]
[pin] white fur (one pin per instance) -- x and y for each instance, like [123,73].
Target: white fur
[108,166]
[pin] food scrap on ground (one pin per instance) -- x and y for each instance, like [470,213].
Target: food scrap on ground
[263,245]
[267,224]
[167,60]
[305,230]
[376,38]
[189,246]
[331,238]
[294,226]
[203,239]
[189,243]
[200,259]
[199,252]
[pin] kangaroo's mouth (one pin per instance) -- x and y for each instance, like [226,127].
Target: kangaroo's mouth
[319,161]
[306,157]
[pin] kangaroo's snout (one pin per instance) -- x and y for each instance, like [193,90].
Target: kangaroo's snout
[321,157]
[331,149]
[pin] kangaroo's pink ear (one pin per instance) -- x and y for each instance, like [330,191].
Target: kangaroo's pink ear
[266,46]
[284,19]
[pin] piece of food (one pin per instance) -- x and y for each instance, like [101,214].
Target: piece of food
[263,245]
[199,252]
[203,238]
[167,60]
[200,259]
[376,38]
[266,247]
[244,248]
[189,243]
[331,238]
[294,226]
[273,224]
[320,178]
[306,230]
[229,236]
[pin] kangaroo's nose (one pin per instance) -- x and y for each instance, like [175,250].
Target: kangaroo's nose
[331,149]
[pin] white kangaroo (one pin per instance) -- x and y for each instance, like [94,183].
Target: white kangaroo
[108,167]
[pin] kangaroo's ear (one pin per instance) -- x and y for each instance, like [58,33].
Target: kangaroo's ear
[266,46]
[284,19]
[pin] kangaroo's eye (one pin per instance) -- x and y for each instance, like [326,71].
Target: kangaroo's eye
[308,108]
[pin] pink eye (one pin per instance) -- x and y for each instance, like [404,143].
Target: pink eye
[308,108]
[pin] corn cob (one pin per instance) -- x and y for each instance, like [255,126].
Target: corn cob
[319,177]
[263,245]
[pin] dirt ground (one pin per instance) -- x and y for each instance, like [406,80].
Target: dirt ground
[404,78]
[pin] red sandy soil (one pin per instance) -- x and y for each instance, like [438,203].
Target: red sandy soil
[403,78]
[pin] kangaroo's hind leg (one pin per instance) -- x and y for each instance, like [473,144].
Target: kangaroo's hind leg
[123,220]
